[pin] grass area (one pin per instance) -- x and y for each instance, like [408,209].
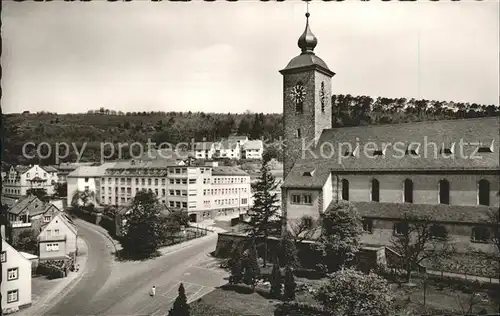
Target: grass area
[231,300]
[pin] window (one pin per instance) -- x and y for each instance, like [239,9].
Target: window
[299,134]
[444,192]
[484,192]
[192,181]
[136,181]
[307,199]
[244,201]
[400,228]
[47,218]
[299,107]
[171,203]
[438,231]
[12,274]
[367,225]
[480,234]
[143,181]
[408,191]
[345,190]
[377,153]
[86,179]
[12,296]
[149,181]
[295,198]
[52,247]
[56,232]
[156,181]
[87,188]
[375,190]
[4,256]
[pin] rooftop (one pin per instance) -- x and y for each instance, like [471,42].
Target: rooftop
[228,171]
[341,155]
[253,144]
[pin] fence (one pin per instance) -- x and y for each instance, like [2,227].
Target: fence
[188,234]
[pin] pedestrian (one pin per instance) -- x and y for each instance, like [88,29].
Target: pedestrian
[153,291]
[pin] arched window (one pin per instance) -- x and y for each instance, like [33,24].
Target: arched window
[484,192]
[438,231]
[444,192]
[375,190]
[408,191]
[480,234]
[345,190]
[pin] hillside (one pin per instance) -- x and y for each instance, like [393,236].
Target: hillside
[96,127]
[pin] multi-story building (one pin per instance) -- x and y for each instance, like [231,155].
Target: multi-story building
[20,179]
[253,149]
[16,279]
[203,191]
[204,150]
[445,170]
[87,178]
[227,149]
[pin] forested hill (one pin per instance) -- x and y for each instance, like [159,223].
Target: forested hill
[104,125]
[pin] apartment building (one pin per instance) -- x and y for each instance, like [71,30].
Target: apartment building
[204,150]
[203,191]
[66,168]
[16,279]
[20,179]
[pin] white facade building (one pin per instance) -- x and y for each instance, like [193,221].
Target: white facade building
[253,149]
[20,179]
[86,178]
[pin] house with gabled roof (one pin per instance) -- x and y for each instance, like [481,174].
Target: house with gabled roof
[29,214]
[58,239]
[253,149]
[227,149]
[204,150]
[16,279]
[87,179]
[20,179]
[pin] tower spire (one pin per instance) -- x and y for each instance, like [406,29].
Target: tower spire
[307,41]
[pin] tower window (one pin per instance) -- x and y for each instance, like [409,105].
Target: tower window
[345,190]
[299,134]
[299,107]
[408,191]
[484,192]
[444,192]
[375,190]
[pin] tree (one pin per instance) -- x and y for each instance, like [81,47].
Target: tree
[264,218]
[61,189]
[303,228]
[144,231]
[490,261]
[27,242]
[39,193]
[252,270]
[417,241]
[350,292]
[290,285]
[276,280]
[82,198]
[235,265]
[181,307]
[287,251]
[340,236]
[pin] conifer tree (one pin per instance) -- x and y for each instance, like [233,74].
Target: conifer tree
[288,251]
[276,280]
[290,285]
[252,270]
[235,264]
[264,218]
[181,307]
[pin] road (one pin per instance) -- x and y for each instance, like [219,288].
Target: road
[97,271]
[191,265]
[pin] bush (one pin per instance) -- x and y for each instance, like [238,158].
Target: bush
[293,308]
[311,274]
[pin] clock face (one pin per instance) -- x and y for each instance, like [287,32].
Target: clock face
[298,93]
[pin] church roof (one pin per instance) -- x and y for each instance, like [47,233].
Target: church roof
[438,212]
[339,154]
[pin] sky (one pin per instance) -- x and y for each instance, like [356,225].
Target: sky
[225,57]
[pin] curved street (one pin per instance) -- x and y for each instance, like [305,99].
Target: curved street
[97,271]
[108,287]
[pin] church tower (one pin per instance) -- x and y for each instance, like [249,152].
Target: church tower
[307,98]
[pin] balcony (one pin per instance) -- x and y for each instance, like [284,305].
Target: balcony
[19,224]
[52,238]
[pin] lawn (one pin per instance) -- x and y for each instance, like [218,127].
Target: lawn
[239,300]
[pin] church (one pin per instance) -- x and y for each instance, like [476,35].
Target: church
[444,170]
